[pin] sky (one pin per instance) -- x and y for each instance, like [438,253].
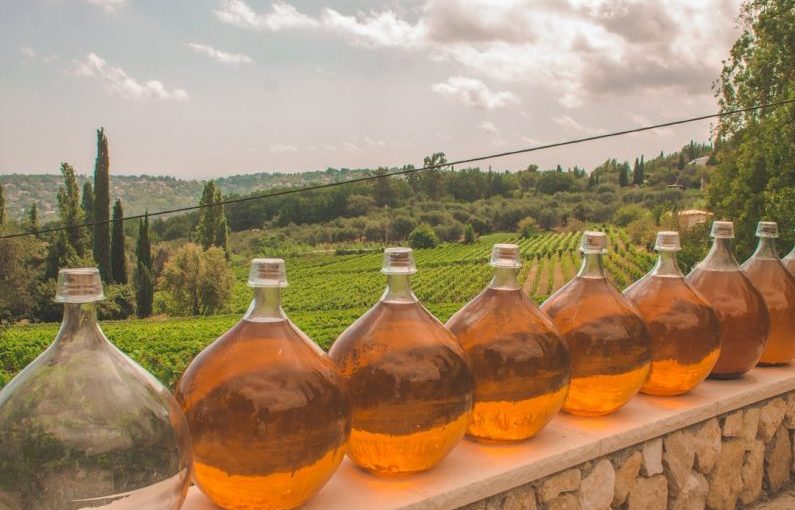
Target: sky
[208,88]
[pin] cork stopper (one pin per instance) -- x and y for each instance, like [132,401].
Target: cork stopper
[767,229]
[722,230]
[505,255]
[593,242]
[667,240]
[80,285]
[398,261]
[267,273]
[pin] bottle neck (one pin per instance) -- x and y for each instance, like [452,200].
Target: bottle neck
[505,278]
[591,266]
[667,265]
[766,249]
[720,256]
[79,324]
[398,288]
[266,305]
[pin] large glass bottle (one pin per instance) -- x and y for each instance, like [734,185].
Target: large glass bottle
[410,383]
[609,344]
[777,287]
[789,261]
[685,334]
[744,320]
[520,364]
[267,411]
[84,426]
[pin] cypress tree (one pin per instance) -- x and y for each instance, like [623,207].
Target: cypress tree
[88,202]
[623,175]
[70,211]
[144,277]
[211,227]
[118,259]
[2,206]
[33,218]
[102,206]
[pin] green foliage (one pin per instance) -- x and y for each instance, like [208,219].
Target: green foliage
[755,177]
[423,236]
[2,206]
[33,218]
[144,274]
[118,259]
[102,207]
[623,176]
[211,226]
[197,282]
[629,213]
[469,234]
[528,227]
[70,211]
[87,202]
[119,303]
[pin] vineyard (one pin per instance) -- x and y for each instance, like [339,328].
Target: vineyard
[328,292]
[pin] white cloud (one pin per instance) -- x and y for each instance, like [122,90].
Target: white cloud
[118,82]
[108,5]
[28,53]
[490,128]
[568,122]
[220,56]
[280,16]
[283,148]
[383,29]
[473,92]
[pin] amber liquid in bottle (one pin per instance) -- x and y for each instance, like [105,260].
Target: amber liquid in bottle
[608,342]
[777,287]
[267,412]
[741,310]
[789,262]
[520,364]
[409,382]
[684,329]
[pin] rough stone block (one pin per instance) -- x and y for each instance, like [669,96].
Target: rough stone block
[597,489]
[625,477]
[566,481]
[565,502]
[693,495]
[789,419]
[679,454]
[779,461]
[649,494]
[753,472]
[707,445]
[770,418]
[523,498]
[750,427]
[652,457]
[726,478]
[733,424]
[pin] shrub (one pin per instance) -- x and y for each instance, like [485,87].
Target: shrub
[528,227]
[423,236]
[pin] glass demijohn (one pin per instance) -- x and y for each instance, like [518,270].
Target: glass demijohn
[267,411]
[519,362]
[609,343]
[410,384]
[742,313]
[777,287]
[684,329]
[789,261]
[83,426]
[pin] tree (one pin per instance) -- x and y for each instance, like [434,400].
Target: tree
[211,225]
[423,236]
[33,218]
[118,259]
[623,175]
[528,227]
[197,282]
[755,175]
[88,202]
[431,179]
[102,206]
[384,189]
[638,173]
[144,276]
[2,206]
[69,210]
[469,234]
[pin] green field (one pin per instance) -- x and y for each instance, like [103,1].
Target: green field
[328,292]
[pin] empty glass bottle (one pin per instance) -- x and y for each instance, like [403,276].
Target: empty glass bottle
[685,334]
[267,410]
[609,344]
[777,287]
[743,316]
[520,364]
[410,384]
[84,426]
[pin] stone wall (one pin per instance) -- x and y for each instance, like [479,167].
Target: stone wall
[728,462]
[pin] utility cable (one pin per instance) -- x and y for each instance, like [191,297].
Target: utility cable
[407,171]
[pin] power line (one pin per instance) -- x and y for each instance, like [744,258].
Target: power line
[410,170]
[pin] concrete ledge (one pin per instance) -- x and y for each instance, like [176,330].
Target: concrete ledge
[474,472]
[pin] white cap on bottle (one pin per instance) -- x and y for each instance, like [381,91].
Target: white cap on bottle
[505,255]
[667,240]
[767,229]
[267,273]
[722,230]
[398,261]
[593,242]
[80,285]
